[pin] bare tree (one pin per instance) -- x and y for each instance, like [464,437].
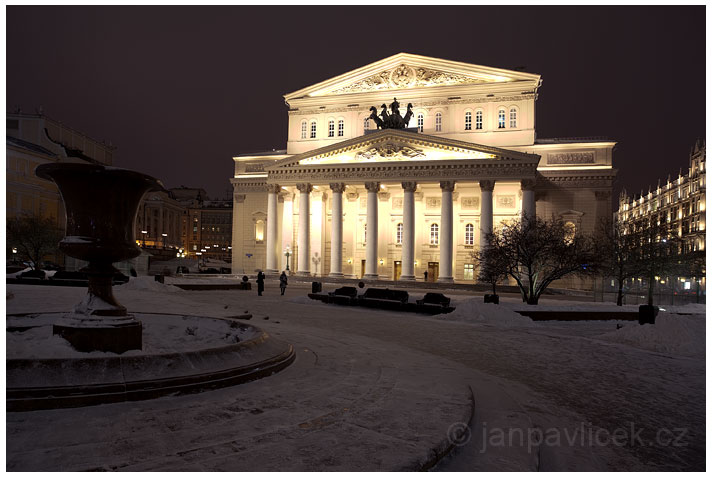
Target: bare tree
[659,252]
[538,252]
[616,252]
[34,237]
[493,266]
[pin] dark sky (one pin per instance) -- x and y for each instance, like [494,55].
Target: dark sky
[181,90]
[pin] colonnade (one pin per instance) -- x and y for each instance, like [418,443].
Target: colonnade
[408,246]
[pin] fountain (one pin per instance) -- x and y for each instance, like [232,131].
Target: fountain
[108,354]
[101,204]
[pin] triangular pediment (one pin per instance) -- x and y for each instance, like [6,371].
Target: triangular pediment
[394,146]
[406,71]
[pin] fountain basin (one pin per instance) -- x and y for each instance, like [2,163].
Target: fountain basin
[45,372]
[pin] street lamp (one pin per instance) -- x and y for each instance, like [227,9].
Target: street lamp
[164,239]
[14,255]
[144,238]
[287,252]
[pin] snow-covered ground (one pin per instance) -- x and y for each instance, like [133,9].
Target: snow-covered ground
[643,385]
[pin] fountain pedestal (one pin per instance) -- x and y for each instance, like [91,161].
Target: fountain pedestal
[101,204]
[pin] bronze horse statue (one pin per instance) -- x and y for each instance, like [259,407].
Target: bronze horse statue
[408,115]
[375,118]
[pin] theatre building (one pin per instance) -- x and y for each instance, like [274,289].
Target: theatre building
[347,198]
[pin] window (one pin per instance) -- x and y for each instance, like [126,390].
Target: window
[313,130]
[399,233]
[366,124]
[513,117]
[341,127]
[469,235]
[259,231]
[438,122]
[365,233]
[478,119]
[570,232]
[304,129]
[468,121]
[469,272]
[421,121]
[501,121]
[434,234]
[331,128]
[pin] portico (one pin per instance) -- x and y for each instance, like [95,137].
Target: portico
[384,213]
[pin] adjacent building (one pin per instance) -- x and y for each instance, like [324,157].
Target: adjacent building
[680,202]
[345,198]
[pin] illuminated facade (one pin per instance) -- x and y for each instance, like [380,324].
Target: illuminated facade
[402,202]
[679,202]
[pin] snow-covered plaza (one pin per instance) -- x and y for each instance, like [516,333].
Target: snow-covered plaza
[480,389]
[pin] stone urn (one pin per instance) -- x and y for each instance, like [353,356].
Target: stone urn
[101,204]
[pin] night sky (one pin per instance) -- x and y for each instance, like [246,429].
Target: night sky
[181,90]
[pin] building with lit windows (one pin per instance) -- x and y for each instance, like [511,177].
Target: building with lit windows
[347,199]
[679,202]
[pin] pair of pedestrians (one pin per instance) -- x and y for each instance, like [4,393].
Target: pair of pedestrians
[261,282]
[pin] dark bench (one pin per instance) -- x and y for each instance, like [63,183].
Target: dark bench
[383,298]
[343,296]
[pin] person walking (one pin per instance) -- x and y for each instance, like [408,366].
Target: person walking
[425,276]
[260,283]
[283,282]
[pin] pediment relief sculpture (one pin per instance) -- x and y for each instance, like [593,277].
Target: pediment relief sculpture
[405,76]
[390,151]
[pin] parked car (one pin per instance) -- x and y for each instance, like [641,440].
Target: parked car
[32,274]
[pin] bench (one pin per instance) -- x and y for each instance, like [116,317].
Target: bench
[343,296]
[383,298]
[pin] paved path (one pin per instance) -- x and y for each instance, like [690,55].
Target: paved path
[392,369]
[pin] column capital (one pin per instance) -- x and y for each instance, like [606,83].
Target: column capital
[448,185]
[384,196]
[305,187]
[528,184]
[409,186]
[274,188]
[487,185]
[373,186]
[337,187]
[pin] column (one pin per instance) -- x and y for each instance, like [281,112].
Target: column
[272,222]
[408,249]
[372,231]
[486,188]
[446,231]
[528,201]
[303,259]
[337,228]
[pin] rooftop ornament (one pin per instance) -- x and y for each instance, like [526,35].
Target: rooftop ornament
[394,120]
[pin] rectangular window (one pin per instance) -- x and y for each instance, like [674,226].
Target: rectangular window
[331,129]
[438,122]
[469,272]
[341,127]
[501,119]
[512,118]
[478,120]
[468,121]
[304,130]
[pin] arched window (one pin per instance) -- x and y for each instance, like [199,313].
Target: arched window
[469,235]
[478,119]
[421,121]
[513,117]
[341,127]
[434,234]
[331,128]
[438,122]
[259,231]
[468,121]
[304,129]
[312,133]
[502,118]
[399,233]
[366,124]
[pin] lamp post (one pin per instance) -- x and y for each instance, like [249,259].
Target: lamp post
[287,252]
[144,238]
[164,239]
[14,256]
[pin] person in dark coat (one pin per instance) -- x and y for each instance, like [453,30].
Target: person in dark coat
[425,275]
[283,282]
[260,283]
